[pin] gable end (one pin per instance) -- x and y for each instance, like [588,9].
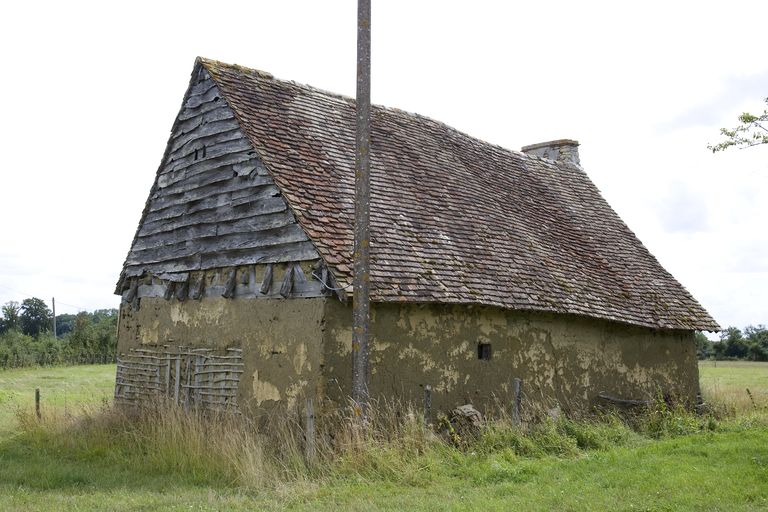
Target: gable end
[213,204]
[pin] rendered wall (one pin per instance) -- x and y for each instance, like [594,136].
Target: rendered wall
[562,360]
[280,340]
[297,348]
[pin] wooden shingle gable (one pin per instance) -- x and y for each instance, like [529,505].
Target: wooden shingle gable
[213,205]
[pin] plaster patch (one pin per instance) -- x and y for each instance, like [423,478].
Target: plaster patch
[492,324]
[462,348]
[300,357]
[343,339]
[177,314]
[427,363]
[264,391]
[450,377]
[424,322]
[293,392]
[150,335]
[211,311]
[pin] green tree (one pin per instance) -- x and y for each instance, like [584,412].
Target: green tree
[10,318]
[93,337]
[64,323]
[35,317]
[704,347]
[757,341]
[734,344]
[751,131]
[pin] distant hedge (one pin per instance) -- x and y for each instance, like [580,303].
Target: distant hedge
[751,344]
[89,338]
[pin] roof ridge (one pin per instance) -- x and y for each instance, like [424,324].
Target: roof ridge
[395,110]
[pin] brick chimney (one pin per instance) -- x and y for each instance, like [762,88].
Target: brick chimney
[562,150]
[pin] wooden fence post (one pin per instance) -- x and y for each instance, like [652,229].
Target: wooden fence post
[518,385]
[309,433]
[177,380]
[37,403]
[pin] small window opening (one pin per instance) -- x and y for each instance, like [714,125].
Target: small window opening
[203,151]
[195,154]
[484,351]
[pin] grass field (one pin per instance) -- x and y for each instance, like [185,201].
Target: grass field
[66,389]
[731,379]
[717,465]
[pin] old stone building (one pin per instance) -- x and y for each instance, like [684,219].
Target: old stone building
[486,264]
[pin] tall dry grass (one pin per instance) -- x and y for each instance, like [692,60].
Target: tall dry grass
[729,401]
[234,450]
[395,446]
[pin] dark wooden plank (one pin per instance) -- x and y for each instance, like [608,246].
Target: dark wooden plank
[257,223]
[287,285]
[174,236]
[266,282]
[206,217]
[624,401]
[139,268]
[220,113]
[235,241]
[248,225]
[202,169]
[199,288]
[301,251]
[210,134]
[298,274]
[196,100]
[182,290]
[227,196]
[165,198]
[169,289]
[188,113]
[216,213]
[201,87]
[229,290]
[216,155]
[295,251]
[202,185]
[132,290]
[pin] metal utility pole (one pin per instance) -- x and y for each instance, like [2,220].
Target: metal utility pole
[53,305]
[361,304]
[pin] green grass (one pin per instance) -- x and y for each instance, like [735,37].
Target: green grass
[697,464]
[729,381]
[736,375]
[62,388]
[715,471]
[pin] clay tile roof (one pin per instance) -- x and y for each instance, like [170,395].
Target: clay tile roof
[453,219]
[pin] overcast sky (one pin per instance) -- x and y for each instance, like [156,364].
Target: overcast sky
[90,92]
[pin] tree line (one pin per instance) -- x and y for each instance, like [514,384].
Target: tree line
[27,337]
[750,344]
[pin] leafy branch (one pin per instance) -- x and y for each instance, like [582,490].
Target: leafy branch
[751,132]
